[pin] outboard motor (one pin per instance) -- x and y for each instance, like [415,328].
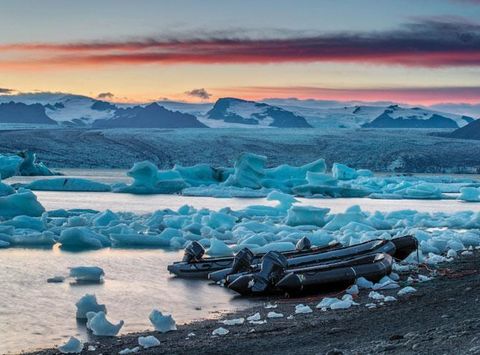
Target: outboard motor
[242,261]
[303,244]
[272,267]
[193,252]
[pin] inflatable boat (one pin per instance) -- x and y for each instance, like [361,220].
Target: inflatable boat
[194,265]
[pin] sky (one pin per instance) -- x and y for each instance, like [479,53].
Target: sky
[411,51]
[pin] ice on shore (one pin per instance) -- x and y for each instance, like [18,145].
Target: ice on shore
[87,274]
[72,346]
[220,331]
[88,303]
[406,290]
[129,351]
[148,342]
[274,314]
[162,323]
[236,321]
[97,322]
[302,309]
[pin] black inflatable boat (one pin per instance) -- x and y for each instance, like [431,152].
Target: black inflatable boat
[276,273]
[399,248]
[194,265]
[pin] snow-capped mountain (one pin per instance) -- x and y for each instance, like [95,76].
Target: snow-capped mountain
[250,113]
[470,131]
[150,116]
[17,112]
[357,116]
[67,109]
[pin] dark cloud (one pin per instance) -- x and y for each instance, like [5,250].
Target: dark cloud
[199,93]
[105,95]
[6,91]
[424,43]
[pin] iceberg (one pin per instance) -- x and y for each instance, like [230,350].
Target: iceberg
[24,202]
[100,326]
[199,175]
[88,303]
[162,323]
[68,184]
[343,172]
[306,215]
[218,248]
[139,240]
[469,194]
[87,274]
[147,179]
[82,238]
[30,167]
[9,165]
[72,346]
[249,171]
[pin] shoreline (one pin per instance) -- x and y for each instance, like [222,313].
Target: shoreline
[442,315]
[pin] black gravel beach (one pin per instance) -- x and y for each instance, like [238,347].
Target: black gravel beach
[442,317]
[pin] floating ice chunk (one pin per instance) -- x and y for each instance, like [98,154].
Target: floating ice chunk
[217,220]
[353,290]
[26,222]
[342,219]
[147,179]
[218,248]
[162,323]
[220,331]
[364,283]
[273,314]
[199,174]
[376,296]
[285,200]
[129,351]
[88,303]
[275,246]
[82,238]
[24,202]
[100,326]
[249,170]
[302,309]
[9,165]
[30,167]
[343,172]
[255,317]
[469,194]
[68,184]
[46,238]
[236,321]
[406,290]
[88,274]
[148,342]
[72,346]
[306,215]
[139,240]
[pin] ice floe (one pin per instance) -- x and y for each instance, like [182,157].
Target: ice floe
[87,274]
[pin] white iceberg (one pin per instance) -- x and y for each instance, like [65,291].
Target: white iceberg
[162,323]
[273,314]
[100,326]
[87,274]
[88,303]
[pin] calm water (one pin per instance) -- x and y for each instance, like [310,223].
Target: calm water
[34,313]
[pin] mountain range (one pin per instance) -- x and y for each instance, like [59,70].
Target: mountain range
[83,111]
